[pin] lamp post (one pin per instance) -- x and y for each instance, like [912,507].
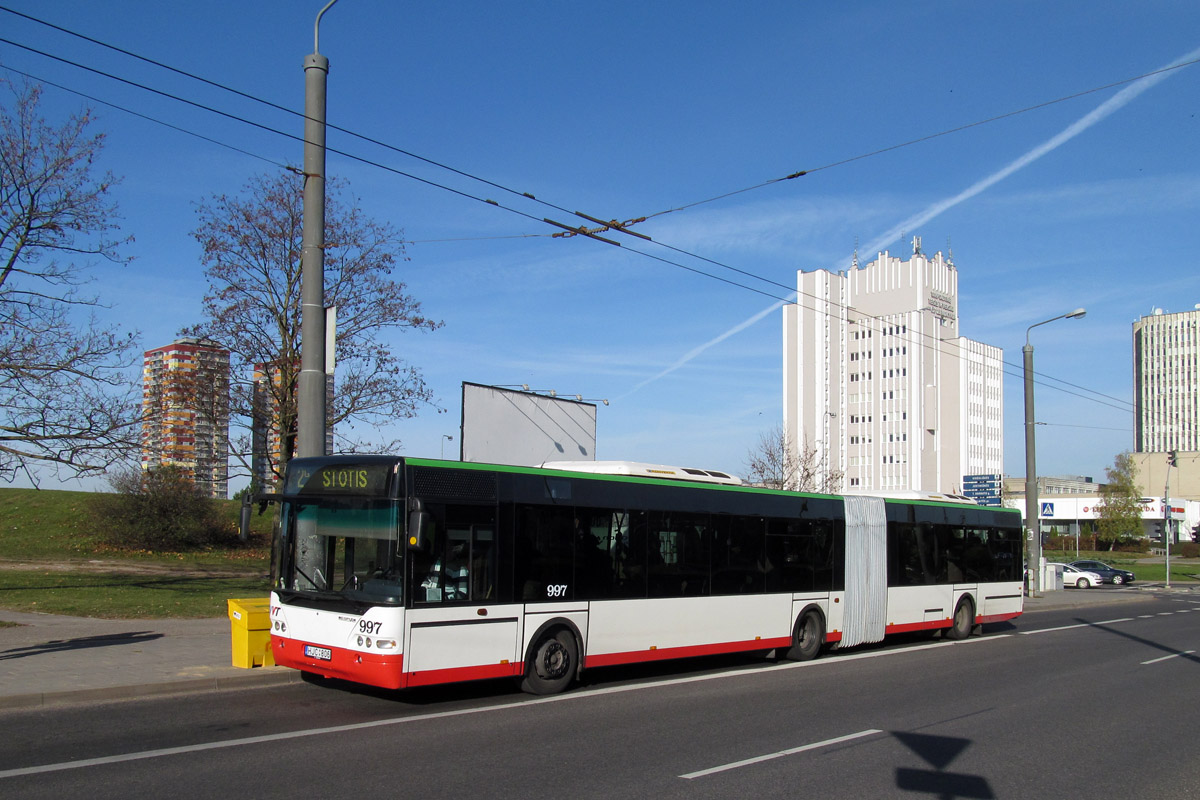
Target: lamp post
[1032,509]
[311,413]
[311,386]
[445,438]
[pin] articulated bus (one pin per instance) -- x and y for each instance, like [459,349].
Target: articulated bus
[403,572]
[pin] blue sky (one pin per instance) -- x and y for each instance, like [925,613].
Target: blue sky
[623,109]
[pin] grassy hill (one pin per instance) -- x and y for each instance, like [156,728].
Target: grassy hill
[49,525]
[52,561]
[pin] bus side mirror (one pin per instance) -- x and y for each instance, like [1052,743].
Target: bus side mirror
[420,531]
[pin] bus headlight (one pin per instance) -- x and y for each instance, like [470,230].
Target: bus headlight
[385,644]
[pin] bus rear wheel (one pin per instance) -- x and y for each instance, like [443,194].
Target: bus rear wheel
[808,638]
[964,620]
[551,665]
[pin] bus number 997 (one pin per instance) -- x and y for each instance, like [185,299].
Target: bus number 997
[556,590]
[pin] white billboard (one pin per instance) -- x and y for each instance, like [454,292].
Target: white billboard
[524,428]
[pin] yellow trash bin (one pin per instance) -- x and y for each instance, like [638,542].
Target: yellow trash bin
[250,632]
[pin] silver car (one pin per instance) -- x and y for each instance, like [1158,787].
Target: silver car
[1079,578]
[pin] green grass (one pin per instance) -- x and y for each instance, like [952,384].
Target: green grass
[44,525]
[51,528]
[1157,573]
[1119,558]
[122,595]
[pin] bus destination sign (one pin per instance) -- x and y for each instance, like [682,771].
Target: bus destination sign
[363,479]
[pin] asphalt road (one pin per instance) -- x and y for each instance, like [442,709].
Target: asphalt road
[1038,708]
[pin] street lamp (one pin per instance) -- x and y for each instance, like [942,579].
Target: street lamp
[1032,509]
[445,438]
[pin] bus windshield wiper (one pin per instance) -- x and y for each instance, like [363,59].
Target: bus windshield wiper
[306,577]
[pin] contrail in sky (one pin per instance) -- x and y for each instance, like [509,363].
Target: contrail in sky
[1114,103]
[712,342]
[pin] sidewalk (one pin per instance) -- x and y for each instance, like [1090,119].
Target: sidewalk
[51,660]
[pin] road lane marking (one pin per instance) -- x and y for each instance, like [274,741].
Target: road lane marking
[577,695]
[1081,625]
[1165,658]
[769,756]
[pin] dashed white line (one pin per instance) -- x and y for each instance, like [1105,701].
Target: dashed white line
[1080,625]
[792,751]
[1165,658]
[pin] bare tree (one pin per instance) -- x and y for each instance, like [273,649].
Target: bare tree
[251,254]
[66,396]
[777,463]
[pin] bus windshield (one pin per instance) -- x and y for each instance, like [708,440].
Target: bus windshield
[342,545]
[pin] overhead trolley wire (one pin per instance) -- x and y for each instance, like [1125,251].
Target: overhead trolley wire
[582,231]
[926,138]
[591,233]
[278,107]
[147,117]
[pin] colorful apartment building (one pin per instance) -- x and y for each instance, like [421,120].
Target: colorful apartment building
[185,411]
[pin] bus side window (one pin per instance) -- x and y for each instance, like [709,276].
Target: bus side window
[739,563]
[598,551]
[919,555]
[678,554]
[545,553]
[789,551]
[461,566]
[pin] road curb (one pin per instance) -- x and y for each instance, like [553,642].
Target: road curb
[259,677]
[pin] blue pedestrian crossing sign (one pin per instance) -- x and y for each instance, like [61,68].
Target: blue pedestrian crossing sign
[1047,509]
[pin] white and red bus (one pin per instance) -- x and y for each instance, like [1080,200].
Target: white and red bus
[401,572]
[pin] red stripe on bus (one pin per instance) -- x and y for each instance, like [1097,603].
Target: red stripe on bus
[666,653]
[375,669]
[946,623]
[429,677]
[909,627]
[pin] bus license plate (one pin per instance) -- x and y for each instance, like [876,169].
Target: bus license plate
[322,653]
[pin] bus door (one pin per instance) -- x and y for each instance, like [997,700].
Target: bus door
[457,630]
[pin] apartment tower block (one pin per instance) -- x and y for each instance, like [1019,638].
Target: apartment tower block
[185,411]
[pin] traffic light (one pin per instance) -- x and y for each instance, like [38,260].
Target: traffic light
[1172,456]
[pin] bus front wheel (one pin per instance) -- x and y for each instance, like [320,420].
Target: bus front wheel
[964,620]
[551,666]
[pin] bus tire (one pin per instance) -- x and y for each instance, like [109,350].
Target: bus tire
[964,620]
[808,637]
[551,664]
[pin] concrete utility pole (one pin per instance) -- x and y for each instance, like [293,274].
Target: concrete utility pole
[1032,510]
[311,420]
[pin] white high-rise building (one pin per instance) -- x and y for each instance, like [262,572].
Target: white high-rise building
[1166,378]
[879,383]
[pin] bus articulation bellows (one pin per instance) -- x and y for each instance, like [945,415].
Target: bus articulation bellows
[402,572]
